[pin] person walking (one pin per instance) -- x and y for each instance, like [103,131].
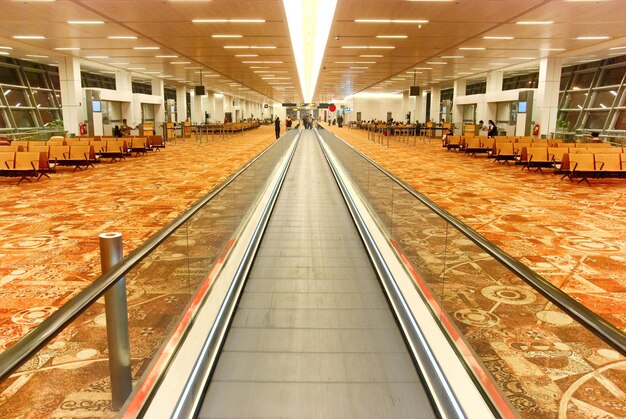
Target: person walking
[277,127]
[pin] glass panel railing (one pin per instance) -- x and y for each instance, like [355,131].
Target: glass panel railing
[546,353]
[68,375]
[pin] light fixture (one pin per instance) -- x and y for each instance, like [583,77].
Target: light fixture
[355,62]
[136,68]
[392,36]
[228,20]
[617,48]
[68,49]
[35,56]
[478,69]
[436,62]
[472,48]
[366,47]
[418,21]
[122,37]
[85,22]
[372,56]
[249,47]
[28,37]
[246,55]
[591,38]
[551,49]
[262,62]
[95,57]
[226,36]
[166,56]
[180,62]
[6,48]
[422,68]
[152,72]
[534,22]
[497,63]
[522,58]
[499,37]
[119,63]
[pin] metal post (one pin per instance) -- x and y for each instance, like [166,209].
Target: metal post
[117,322]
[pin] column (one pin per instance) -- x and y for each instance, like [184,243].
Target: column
[547,100]
[181,103]
[487,110]
[159,110]
[457,109]
[435,103]
[71,94]
[210,108]
[131,107]
[219,108]
[420,108]
[197,109]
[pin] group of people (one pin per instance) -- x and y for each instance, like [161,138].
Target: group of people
[491,128]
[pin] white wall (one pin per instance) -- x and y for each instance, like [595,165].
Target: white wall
[374,106]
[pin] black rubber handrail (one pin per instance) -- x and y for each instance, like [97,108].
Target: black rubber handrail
[13,357]
[606,331]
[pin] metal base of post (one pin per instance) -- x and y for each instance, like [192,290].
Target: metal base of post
[117,322]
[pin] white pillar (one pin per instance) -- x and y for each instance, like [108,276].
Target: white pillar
[406,106]
[420,108]
[547,100]
[159,110]
[197,110]
[210,108]
[457,110]
[435,103]
[181,103]
[219,108]
[487,110]
[71,93]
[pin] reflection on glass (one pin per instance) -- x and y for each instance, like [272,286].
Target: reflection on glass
[23,118]
[596,120]
[16,97]
[583,80]
[43,98]
[604,99]
[611,76]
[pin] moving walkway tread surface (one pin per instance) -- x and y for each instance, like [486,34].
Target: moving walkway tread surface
[313,335]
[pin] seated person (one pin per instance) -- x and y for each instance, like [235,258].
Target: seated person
[125,129]
[595,137]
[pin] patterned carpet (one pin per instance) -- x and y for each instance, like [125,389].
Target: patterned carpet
[49,251]
[545,364]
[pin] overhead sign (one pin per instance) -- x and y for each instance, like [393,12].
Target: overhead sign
[323,105]
[347,109]
[289,105]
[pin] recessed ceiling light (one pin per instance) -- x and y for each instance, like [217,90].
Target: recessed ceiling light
[85,22]
[166,56]
[146,48]
[35,56]
[228,21]
[499,37]
[180,62]
[136,68]
[4,53]
[122,37]
[153,72]
[371,56]
[262,62]
[392,36]
[68,49]
[472,48]
[464,72]
[259,67]
[29,37]
[94,57]
[211,75]
[355,62]
[226,36]
[534,22]
[418,21]
[366,47]
[609,48]
[478,69]
[12,48]
[591,38]
[436,62]
[246,55]
[552,49]
[522,58]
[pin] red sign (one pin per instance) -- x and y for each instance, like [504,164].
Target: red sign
[332,108]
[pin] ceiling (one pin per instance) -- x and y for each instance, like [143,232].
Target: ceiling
[188,52]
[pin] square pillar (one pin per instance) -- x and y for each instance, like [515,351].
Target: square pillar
[547,101]
[71,94]
[457,110]
[158,89]
[181,104]
[435,103]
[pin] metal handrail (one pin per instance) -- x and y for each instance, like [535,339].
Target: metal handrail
[595,323]
[13,357]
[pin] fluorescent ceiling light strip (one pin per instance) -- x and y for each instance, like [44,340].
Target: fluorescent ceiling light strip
[122,37]
[85,22]
[534,22]
[392,36]
[29,37]
[67,49]
[591,38]
[499,37]
[228,20]
[226,36]
[146,48]
[309,24]
[418,21]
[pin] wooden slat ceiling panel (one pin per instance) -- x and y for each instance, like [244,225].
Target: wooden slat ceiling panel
[453,25]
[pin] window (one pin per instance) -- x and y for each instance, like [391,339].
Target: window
[612,76]
[469,114]
[97,81]
[620,123]
[503,112]
[23,118]
[147,110]
[596,120]
[16,97]
[570,118]
[574,100]
[144,88]
[524,81]
[43,99]
[565,80]
[604,98]
[476,88]
[48,115]
[9,76]
[36,79]
[583,80]
[170,93]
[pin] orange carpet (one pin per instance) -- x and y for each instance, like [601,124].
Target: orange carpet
[49,229]
[546,364]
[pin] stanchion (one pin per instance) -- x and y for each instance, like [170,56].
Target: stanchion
[117,322]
